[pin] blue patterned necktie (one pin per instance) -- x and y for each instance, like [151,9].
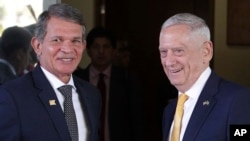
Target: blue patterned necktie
[69,111]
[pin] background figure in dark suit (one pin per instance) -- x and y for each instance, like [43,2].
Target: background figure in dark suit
[123,117]
[14,52]
[32,107]
[213,103]
[33,58]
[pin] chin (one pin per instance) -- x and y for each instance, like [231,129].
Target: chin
[67,70]
[175,82]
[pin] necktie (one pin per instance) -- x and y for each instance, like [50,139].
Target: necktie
[178,117]
[102,87]
[69,111]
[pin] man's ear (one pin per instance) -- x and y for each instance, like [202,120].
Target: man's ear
[207,51]
[36,45]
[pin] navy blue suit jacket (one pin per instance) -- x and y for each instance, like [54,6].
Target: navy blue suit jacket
[221,104]
[6,73]
[26,115]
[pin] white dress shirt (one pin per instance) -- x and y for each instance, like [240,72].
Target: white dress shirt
[193,94]
[56,83]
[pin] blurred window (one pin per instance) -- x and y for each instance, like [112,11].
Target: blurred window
[19,12]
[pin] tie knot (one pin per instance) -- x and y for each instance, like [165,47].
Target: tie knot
[181,99]
[66,90]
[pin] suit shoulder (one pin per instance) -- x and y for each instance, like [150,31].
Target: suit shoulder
[218,82]
[81,73]
[19,82]
[231,86]
[82,82]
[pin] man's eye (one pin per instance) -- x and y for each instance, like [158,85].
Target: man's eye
[178,52]
[56,40]
[163,53]
[76,41]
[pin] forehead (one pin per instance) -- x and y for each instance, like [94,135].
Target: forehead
[60,25]
[174,34]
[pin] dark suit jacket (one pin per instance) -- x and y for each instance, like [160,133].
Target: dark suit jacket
[126,121]
[25,112]
[229,104]
[6,73]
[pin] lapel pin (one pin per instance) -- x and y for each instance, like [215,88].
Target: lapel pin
[205,103]
[52,102]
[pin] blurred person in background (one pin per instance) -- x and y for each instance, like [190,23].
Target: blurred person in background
[15,51]
[122,105]
[33,57]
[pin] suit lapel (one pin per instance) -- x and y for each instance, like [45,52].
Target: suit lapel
[85,104]
[87,101]
[167,122]
[202,109]
[51,103]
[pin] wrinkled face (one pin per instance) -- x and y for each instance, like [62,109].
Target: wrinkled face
[101,53]
[62,48]
[184,56]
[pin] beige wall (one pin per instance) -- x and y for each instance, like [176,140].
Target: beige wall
[87,8]
[231,62]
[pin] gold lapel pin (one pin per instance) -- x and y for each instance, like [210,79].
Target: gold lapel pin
[52,102]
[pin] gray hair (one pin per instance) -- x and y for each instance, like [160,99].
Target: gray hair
[62,11]
[197,25]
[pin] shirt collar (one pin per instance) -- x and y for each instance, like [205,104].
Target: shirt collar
[54,81]
[94,72]
[197,87]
